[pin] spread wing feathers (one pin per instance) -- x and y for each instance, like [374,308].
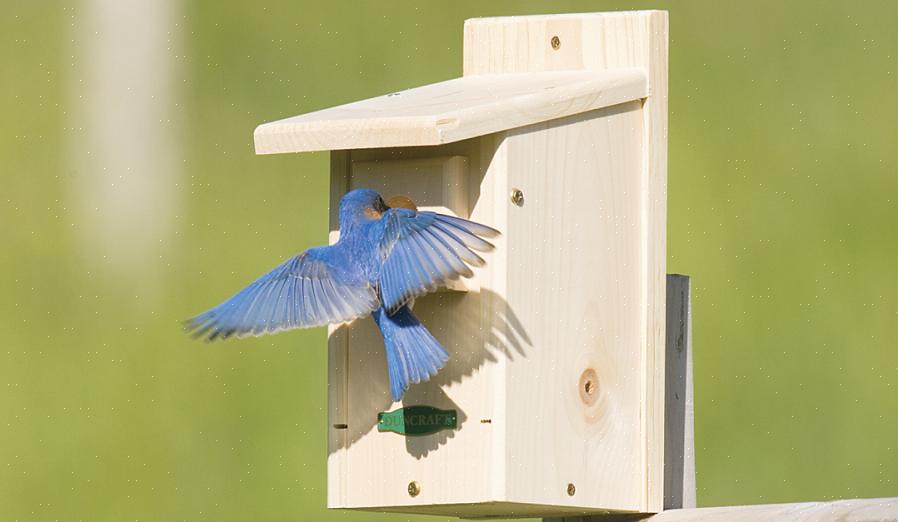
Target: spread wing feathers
[424,250]
[300,293]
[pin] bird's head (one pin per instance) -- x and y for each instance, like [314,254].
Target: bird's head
[360,205]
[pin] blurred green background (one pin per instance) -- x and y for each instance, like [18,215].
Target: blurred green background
[131,199]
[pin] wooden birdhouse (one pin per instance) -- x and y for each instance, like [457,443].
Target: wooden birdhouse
[552,402]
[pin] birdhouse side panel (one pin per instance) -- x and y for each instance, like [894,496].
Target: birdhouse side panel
[576,283]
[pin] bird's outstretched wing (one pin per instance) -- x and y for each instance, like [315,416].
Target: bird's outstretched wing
[302,292]
[424,250]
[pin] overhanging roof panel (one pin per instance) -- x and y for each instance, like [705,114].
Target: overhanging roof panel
[453,110]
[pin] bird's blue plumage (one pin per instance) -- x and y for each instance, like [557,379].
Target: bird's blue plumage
[384,258]
[413,354]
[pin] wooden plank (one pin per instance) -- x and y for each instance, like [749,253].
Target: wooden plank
[679,443]
[574,402]
[484,510]
[679,454]
[454,468]
[452,110]
[337,354]
[853,510]
[650,50]
[606,42]
[438,183]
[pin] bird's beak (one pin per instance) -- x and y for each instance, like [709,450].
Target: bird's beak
[402,202]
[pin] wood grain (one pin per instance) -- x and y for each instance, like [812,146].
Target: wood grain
[556,369]
[337,352]
[576,283]
[452,110]
[603,42]
[853,510]
[472,326]
[438,183]
[679,454]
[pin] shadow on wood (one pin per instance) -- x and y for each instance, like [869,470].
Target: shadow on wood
[506,338]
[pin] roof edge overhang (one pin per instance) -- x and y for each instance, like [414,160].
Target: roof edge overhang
[453,110]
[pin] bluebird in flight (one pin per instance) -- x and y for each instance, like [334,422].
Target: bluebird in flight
[384,258]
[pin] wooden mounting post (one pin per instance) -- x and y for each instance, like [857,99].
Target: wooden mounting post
[679,438]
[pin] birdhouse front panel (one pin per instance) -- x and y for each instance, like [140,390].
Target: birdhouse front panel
[370,465]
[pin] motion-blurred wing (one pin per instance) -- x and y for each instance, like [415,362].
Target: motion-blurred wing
[300,293]
[424,250]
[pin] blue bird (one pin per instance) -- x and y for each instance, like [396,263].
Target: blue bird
[385,257]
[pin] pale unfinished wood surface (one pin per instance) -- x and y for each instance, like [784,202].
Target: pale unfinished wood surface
[369,469]
[552,305]
[452,110]
[578,254]
[337,354]
[853,510]
[437,184]
[603,42]
[679,438]
[576,287]
[679,453]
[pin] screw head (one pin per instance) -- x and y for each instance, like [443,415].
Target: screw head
[414,488]
[555,42]
[571,489]
[517,197]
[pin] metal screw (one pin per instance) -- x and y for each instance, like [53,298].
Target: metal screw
[556,43]
[414,488]
[571,489]
[517,197]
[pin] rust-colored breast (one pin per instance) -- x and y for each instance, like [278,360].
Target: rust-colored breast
[402,202]
[371,213]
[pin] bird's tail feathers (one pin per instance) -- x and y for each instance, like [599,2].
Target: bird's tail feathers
[413,354]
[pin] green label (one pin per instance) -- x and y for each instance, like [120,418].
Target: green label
[416,420]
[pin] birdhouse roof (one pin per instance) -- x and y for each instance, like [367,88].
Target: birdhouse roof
[452,110]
